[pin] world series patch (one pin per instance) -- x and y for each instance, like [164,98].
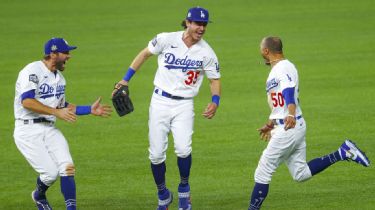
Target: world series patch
[33,78]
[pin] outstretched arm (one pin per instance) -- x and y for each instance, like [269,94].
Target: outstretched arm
[211,108]
[134,66]
[137,63]
[97,109]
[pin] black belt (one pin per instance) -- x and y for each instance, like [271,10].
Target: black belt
[37,120]
[281,121]
[168,95]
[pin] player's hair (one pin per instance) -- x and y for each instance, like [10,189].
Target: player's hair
[183,24]
[273,43]
[47,57]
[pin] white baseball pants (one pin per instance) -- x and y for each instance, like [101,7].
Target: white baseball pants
[170,115]
[45,148]
[284,146]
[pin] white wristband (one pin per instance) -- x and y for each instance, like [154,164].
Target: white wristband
[290,115]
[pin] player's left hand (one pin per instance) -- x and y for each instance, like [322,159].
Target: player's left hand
[210,111]
[99,109]
[290,122]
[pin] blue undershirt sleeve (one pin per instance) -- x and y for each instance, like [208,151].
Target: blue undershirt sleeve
[28,94]
[288,94]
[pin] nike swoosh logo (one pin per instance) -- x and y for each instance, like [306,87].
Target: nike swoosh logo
[173,46]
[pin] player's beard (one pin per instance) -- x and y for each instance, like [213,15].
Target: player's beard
[60,65]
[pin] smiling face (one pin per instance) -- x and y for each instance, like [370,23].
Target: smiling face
[195,30]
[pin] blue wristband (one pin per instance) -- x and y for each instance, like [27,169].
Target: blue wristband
[83,110]
[216,99]
[129,74]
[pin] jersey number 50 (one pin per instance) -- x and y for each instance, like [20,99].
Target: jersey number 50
[192,77]
[277,99]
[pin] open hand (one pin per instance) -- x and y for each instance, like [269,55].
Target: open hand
[99,109]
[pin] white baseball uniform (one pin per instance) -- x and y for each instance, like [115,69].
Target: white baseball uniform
[285,145]
[41,143]
[177,80]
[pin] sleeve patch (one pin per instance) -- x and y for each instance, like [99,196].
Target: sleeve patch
[33,78]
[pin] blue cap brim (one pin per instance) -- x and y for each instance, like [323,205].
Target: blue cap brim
[72,48]
[199,20]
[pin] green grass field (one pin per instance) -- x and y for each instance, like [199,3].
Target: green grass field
[330,42]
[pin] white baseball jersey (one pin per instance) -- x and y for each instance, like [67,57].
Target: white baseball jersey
[48,152]
[49,89]
[180,69]
[283,75]
[287,146]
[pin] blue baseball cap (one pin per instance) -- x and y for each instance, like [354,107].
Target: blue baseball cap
[57,45]
[198,14]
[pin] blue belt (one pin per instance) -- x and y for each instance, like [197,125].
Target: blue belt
[168,95]
[281,121]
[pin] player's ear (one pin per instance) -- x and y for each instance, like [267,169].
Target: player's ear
[266,51]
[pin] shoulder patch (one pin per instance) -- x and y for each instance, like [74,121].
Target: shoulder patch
[154,41]
[271,84]
[33,78]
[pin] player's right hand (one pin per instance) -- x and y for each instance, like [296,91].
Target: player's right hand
[66,114]
[118,85]
[99,109]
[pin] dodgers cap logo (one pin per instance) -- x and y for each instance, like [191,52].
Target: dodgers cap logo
[198,14]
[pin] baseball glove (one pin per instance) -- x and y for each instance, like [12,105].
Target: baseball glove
[121,100]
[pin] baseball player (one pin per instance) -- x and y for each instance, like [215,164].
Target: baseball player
[183,58]
[39,100]
[286,128]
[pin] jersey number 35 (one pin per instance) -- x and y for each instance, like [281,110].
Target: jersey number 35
[192,77]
